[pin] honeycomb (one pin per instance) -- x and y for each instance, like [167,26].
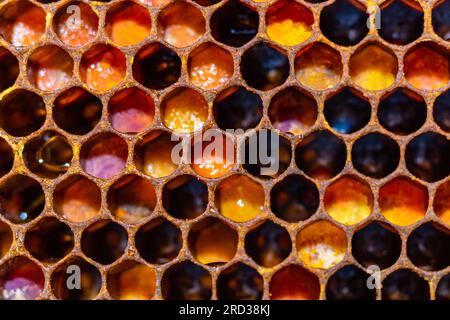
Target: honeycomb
[92,93]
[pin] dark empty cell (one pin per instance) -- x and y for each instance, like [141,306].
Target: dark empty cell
[90,284]
[441,111]
[427,156]
[268,244]
[186,281]
[239,282]
[6,157]
[427,247]
[346,112]
[441,19]
[264,67]
[321,155]
[267,155]
[402,113]
[405,284]
[77,111]
[185,197]
[156,66]
[9,69]
[234,24]
[401,23]
[443,288]
[21,113]
[50,240]
[375,155]
[376,244]
[237,108]
[21,199]
[294,198]
[349,283]
[158,241]
[207,2]
[48,155]
[104,241]
[344,23]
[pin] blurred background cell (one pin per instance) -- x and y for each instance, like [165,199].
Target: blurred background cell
[239,282]
[294,283]
[441,204]
[404,284]
[441,111]
[6,157]
[9,69]
[440,21]
[349,283]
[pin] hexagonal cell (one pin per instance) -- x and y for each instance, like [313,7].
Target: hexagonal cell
[240,198]
[131,280]
[348,200]
[441,111]
[426,66]
[237,108]
[90,280]
[321,155]
[402,21]
[293,111]
[181,24]
[318,66]
[131,199]
[131,110]
[21,279]
[153,154]
[402,112]
[321,244]
[212,241]
[376,244]
[294,283]
[6,238]
[9,69]
[349,283]
[347,111]
[184,110]
[268,244]
[102,67]
[440,21]
[265,154]
[210,66]
[156,67]
[405,284]
[49,240]
[186,281]
[213,154]
[264,67]
[239,282]
[441,204]
[344,22]
[289,23]
[375,155]
[22,199]
[77,199]
[234,24]
[48,155]
[6,157]
[373,67]
[294,198]
[128,23]
[104,241]
[49,68]
[158,241]
[185,197]
[443,288]
[22,112]
[427,247]
[427,155]
[403,201]
[22,23]
[74,33]
[104,155]
[77,111]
